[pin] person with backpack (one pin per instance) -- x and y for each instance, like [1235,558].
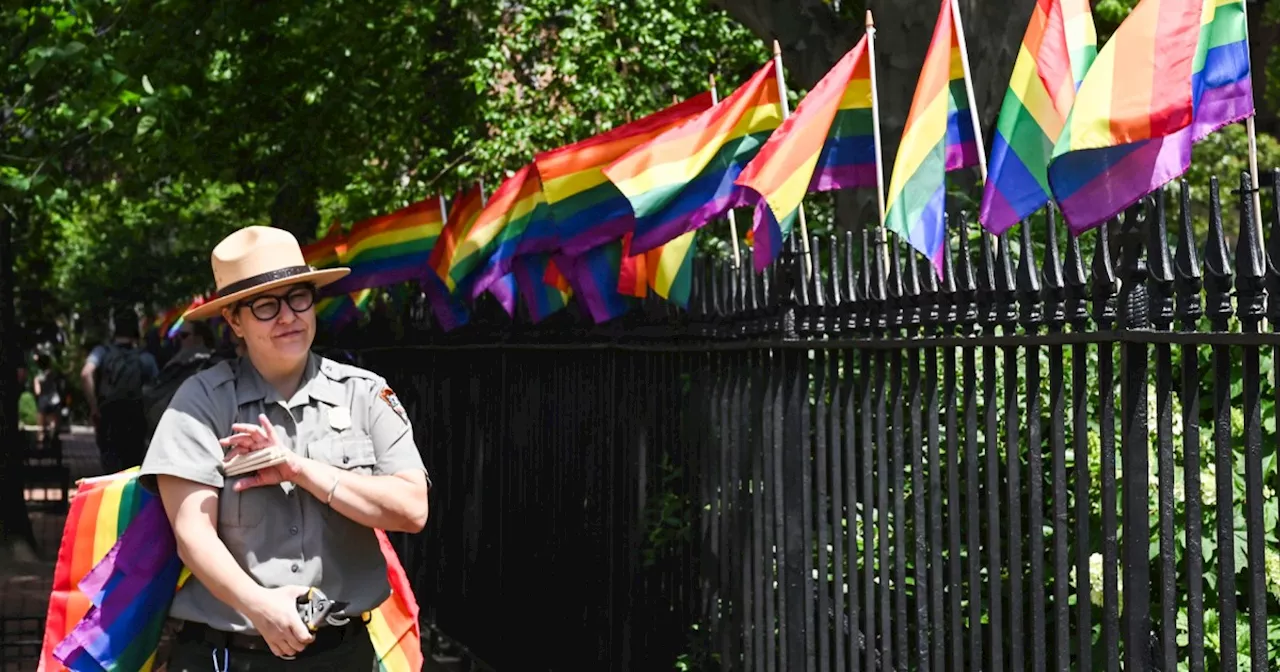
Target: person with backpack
[195,354]
[113,377]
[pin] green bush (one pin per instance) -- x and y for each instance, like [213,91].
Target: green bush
[27,409]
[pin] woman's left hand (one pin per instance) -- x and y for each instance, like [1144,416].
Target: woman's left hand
[249,438]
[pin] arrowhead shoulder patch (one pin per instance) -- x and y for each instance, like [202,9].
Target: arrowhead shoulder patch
[388,396]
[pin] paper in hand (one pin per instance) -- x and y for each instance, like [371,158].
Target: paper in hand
[259,459]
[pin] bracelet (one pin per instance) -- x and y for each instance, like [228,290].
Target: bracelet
[333,488]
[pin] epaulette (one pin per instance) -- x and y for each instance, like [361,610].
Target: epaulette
[219,374]
[341,372]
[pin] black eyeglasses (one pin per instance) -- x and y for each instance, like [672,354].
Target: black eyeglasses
[267,307]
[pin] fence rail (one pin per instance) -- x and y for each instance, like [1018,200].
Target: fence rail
[1044,460]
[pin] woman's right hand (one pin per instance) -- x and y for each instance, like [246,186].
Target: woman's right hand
[274,614]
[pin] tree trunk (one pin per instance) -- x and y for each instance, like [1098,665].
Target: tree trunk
[17,539]
[813,37]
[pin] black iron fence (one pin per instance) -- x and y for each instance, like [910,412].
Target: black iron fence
[1054,458]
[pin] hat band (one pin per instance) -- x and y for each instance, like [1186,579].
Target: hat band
[262,279]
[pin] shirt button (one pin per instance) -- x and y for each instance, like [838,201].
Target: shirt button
[346,460]
[293,530]
[294,567]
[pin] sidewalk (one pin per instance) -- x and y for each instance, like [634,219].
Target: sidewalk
[24,587]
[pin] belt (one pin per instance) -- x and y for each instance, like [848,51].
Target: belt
[326,638]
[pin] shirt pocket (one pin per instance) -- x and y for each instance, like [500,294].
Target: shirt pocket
[241,510]
[351,452]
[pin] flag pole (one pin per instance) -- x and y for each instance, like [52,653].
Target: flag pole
[875,114]
[733,221]
[968,88]
[1252,132]
[786,112]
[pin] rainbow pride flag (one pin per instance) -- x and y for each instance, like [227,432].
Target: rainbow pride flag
[666,270]
[327,251]
[593,275]
[542,286]
[587,208]
[488,246]
[1057,50]
[1173,72]
[684,178]
[463,211]
[336,311]
[505,291]
[118,570]
[939,137]
[390,248]
[828,144]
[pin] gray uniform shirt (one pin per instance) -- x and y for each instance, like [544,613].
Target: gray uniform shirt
[281,534]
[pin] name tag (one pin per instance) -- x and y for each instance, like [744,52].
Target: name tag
[339,418]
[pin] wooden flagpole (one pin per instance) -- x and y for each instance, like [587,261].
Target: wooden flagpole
[733,221]
[1253,170]
[875,114]
[968,88]
[786,112]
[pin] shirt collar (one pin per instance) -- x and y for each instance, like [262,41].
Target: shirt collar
[250,386]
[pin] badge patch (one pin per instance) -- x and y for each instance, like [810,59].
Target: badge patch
[339,418]
[394,402]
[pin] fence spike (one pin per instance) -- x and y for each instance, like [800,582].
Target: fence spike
[989,312]
[1006,307]
[1273,256]
[896,313]
[836,277]
[1104,279]
[878,293]
[867,298]
[1135,306]
[1251,294]
[852,288]
[796,275]
[967,289]
[1160,263]
[911,290]
[751,279]
[1187,281]
[1028,280]
[946,298]
[1217,264]
[930,306]
[819,288]
[1055,308]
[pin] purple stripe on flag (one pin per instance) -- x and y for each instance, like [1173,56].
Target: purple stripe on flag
[962,155]
[599,234]
[1145,166]
[843,177]
[669,230]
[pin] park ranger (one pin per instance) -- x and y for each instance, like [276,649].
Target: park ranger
[257,542]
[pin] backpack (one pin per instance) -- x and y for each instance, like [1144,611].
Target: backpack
[157,394]
[120,376]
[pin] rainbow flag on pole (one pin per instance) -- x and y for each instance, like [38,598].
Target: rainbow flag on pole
[1057,51]
[666,270]
[593,275]
[939,137]
[327,251]
[488,246]
[391,248]
[1174,72]
[828,144]
[449,310]
[684,178]
[543,287]
[588,209]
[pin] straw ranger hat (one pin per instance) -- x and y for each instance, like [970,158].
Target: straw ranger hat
[256,259]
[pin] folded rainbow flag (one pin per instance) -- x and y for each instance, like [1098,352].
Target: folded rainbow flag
[327,251]
[504,290]
[684,178]
[1173,72]
[1056,52]
[588,209]
[939,137]
[336,311]
[118,570]
[593,276]
[448,308]
[390,248]
[828,144]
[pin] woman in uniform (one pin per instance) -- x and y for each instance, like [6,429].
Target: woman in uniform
[257,542]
